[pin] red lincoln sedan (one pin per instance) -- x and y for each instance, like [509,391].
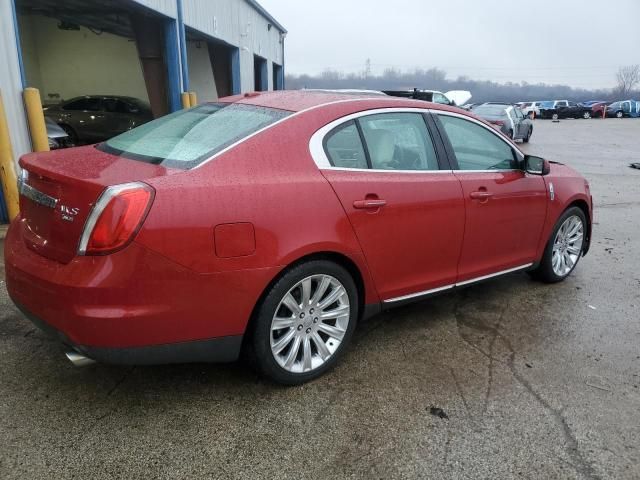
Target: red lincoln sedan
[274,222]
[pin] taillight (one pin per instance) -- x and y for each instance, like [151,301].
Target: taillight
[116,218]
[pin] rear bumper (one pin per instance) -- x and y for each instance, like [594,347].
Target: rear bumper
[218,350]
[134,306]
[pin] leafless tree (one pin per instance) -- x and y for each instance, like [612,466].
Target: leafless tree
[628,78]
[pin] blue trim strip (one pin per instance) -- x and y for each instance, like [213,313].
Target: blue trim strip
[236,88]
[183,49]
[16,29]
[172,61]
[264,75]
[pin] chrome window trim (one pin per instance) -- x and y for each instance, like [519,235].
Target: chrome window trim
[316,143]
[457,284]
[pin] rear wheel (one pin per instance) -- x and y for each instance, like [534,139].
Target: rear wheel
[586,115]
[564,248]
[555,116]
[619,114]
[305,322]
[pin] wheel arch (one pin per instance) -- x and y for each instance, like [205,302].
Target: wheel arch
[336,257]
[584,206]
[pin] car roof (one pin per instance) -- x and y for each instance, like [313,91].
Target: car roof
[298,100]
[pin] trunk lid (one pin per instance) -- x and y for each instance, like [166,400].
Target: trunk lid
[60,189]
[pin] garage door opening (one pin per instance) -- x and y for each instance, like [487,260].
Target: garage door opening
[100,65]
[260,75]
[214,67]
[278,77]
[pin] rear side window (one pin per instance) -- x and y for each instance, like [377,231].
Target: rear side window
[186,138]
[475,147]
[344,148]
[398,141]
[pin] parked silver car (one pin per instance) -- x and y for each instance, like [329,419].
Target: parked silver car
[506,118]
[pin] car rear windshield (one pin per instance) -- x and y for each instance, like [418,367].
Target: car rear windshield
[490,110]
[186,138]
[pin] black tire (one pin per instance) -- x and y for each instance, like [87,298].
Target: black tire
[586,115]
[619,114]
[544,271]
[555,116]
[528,137]
[260,336]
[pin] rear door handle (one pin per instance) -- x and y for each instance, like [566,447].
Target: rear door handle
[482,195]
[369,204]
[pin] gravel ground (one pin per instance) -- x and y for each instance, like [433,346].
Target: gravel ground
[507,379]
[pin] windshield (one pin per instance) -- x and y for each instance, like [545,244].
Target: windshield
[490,111]
[186,138]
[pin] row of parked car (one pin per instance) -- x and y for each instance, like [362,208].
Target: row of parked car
[556,109]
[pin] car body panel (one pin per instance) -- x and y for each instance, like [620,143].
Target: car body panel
[172,283]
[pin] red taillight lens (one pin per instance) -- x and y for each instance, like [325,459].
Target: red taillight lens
[116,218]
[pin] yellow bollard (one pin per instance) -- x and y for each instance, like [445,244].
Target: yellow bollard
[7,167]
[186,101]
[35,117]
[193,99]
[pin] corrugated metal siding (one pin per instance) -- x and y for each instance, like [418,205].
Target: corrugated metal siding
[166,7]
[236,22]
[11,84]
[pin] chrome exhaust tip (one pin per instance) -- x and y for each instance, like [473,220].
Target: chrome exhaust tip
[78,359]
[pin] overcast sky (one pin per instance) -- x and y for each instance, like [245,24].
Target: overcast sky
[576,42]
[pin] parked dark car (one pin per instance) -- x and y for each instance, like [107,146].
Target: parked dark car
[94,118]
[624,108]
[56,135]
[571,110]
[453,98]
[508,119]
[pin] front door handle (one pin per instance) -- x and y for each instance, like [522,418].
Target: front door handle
[481,195]
[371,204]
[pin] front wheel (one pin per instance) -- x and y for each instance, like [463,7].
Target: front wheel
[305,322]
[586,115]
[564,248]
[555,116]
[619,114]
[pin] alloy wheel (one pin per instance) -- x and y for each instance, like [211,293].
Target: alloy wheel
[567,246]
[309,323]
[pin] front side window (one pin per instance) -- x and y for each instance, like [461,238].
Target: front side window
[440,98]
[398,141]
[344,147]
[475,147]
[186,138]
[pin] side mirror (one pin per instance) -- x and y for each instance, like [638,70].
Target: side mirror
[536,165]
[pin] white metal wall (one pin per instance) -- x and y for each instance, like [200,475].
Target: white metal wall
[236,22]
[11,83]
[165,7]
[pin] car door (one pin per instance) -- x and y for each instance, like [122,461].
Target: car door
[505,207]
[404,204]
[522,126]
[118,118]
